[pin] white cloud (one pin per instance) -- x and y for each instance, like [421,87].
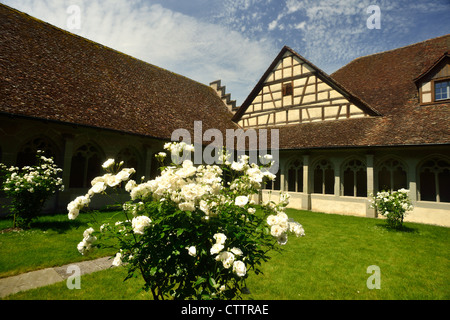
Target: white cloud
[200,50]
[300,25]
[272,25]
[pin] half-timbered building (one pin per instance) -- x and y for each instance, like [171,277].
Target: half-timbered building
[382,122]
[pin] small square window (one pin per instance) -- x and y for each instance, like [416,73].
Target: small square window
[442,90]
[287,89]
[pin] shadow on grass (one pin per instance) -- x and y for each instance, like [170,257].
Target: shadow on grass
[57,226]
[403,228]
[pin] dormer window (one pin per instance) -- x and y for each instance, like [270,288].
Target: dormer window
[442,90]
[434,84]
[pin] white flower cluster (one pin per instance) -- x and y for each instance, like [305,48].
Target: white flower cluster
[98,185]
[86,244]
[40,178]
[185,185]
[178,147]
[179,151]
[386,201]
[139,223]
[279,222]
[253,174]
[228,257]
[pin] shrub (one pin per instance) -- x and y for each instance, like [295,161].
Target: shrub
[393,205]
[189,234]
[29,188]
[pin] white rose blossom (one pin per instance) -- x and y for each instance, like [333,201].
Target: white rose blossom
[227,259]
[192,251]
[108,163]
[216,248]
[241,201]
[139,223]
[220,238]
[239,268]
[117,259]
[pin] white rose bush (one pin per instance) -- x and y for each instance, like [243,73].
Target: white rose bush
[190,233]
[393,205]
[28,188]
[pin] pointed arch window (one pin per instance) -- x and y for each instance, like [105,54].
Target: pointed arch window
[86,165]
[27,153]
[324,177]
[355,178]
[391,175]
[273,185]
[129,157]
[434,177]
[295,176]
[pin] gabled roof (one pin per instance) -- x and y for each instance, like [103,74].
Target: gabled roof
[386,82]
[426,72]
[48,73]
[317,71]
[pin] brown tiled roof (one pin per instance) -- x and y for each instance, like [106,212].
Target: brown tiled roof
[51,74]
[386,82]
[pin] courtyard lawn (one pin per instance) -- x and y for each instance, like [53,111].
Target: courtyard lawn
[330,262]
[51,241]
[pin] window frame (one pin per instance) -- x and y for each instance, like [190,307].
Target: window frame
[297,166]
[358,170]
[287,89]
[434,82]
[434,171]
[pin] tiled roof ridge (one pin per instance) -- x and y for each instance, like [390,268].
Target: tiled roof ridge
[92,42]
[391,50]
[135,90]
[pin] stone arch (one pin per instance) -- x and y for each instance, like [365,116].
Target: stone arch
[354,177]
[294,174]
[434,178]
[86,165]
[130,157]
[26,154]
[391,173]
[323,176]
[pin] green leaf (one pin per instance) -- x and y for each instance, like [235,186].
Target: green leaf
[179,232]
[213,283]
[199,281]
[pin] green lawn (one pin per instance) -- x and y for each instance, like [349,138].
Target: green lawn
[52,241]
[330,262]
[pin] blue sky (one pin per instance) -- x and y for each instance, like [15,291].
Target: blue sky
[236,40]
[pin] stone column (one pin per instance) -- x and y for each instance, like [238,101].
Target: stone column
[412,178]
[148,161]
[282,174]
[306,199]
[370,212]
[64,197]
[337,176]
[67,160]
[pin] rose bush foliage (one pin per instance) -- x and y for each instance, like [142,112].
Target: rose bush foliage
[393,205]
[28,188]
[190,233]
